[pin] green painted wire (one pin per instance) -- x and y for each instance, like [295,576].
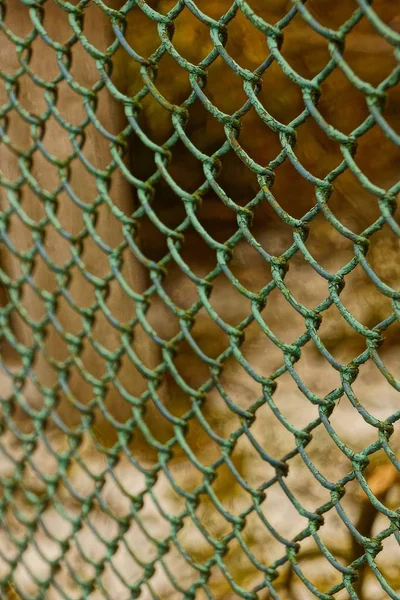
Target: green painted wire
[197,74]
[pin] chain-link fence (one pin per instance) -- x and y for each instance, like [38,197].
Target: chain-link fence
[200,299]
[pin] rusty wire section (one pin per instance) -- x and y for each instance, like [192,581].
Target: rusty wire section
[120,456]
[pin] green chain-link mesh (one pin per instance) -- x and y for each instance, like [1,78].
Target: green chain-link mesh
[109,491]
